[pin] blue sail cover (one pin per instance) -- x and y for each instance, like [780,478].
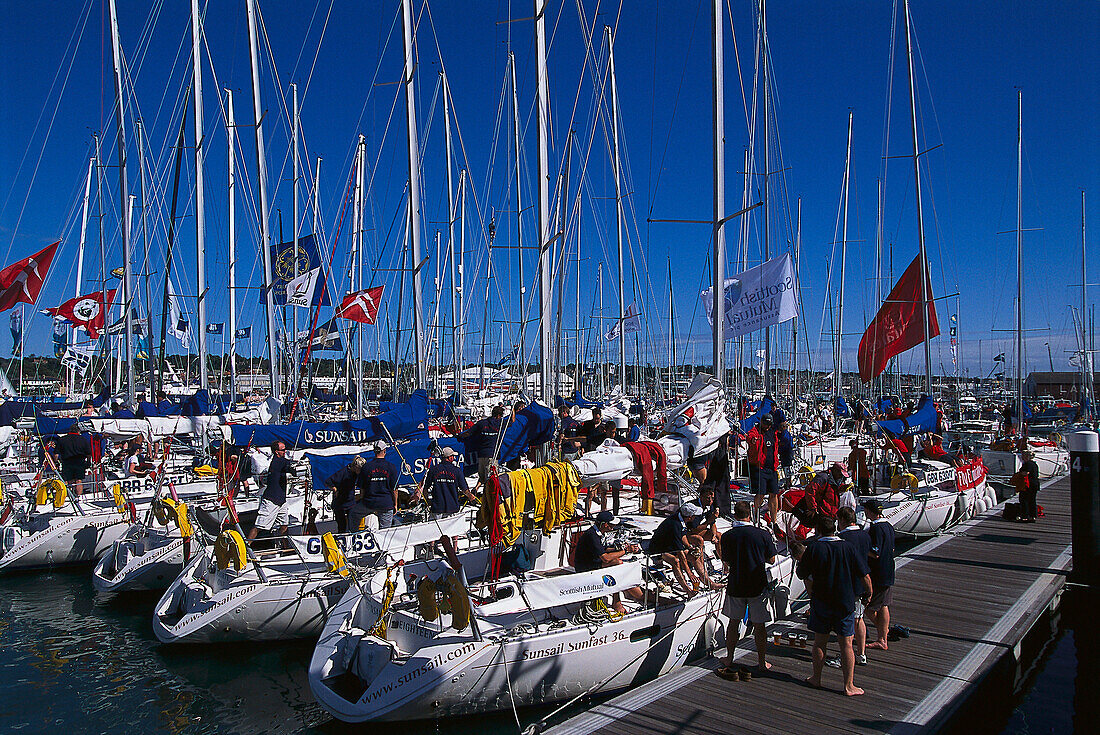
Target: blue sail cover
[407,421]
[415,454]
[575,400]
[765,405]
[841,407]
[48,425]
[533,426]
[920,421]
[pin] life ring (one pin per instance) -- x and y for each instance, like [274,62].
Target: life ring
[333,557]
[425,598]
[1055,439]
[459,599]
[230,550]
[903,481]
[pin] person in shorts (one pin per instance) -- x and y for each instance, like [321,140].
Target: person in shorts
[853,534]
[746,551]
[274,511]
[882,571]
[75,452]
[834,573]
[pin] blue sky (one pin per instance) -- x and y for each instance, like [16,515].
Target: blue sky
[826,58]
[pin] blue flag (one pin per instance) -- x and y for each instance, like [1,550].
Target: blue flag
[243,333]
[282,267]
[215,328]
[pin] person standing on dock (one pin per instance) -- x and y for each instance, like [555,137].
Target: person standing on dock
[882,571]
[833,572]
[861,541]
[1028,487]
[274,510]
[747,550]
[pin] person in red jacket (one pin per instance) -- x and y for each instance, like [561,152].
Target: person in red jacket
[763,443]
[823,492]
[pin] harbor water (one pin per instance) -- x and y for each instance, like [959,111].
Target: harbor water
[75,662]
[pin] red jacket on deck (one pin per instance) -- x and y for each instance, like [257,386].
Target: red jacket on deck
[822,495]
[761,444]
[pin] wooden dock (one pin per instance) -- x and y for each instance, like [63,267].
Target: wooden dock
[969,597]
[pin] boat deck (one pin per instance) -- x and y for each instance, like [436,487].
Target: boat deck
[969,598]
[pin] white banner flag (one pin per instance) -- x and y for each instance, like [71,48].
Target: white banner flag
[78,357]
[760,297]
[630,323]
[299,291]
[178,326]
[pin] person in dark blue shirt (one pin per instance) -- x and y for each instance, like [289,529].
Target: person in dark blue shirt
[882,571]
[378,491]
[851,532]
[482,439]
[593,553]
[674,543]
[273,511]
[833,572]
[746,552]
[342,483]
[571,443]
[445,485]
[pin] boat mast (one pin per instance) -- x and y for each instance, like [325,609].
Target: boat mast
[1018,423]
[794,322]
[519,209]
[718,284]
[414,192]
[357,264]
[460,274]
[261,178]
[764,174]
[123,198]
[671,335]
[80,254]
[456,285]
[294,186]
[1086,355]
[200,209]
[617,168]
[231,146]
[920,210]
[149,363]
[543,88]
[843,261]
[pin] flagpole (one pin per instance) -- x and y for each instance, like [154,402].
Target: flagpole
[920,209]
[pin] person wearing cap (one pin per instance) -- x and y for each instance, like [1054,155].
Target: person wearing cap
[342,484]
[822,496]
[746,552]
[594,552]
[835,576]
[881,558]
[377,491]
[444,484]
[675,544]
[764,445]
[1026,480]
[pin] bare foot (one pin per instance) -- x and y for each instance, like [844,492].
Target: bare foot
[878,645]
[853,691]
[815,683]
[764,666]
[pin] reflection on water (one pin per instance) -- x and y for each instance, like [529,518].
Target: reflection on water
[77,663]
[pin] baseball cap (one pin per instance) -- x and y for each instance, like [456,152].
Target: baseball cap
[606,516]
[873,505]
[448,452]
[767,419]
[690,510]
[380,446]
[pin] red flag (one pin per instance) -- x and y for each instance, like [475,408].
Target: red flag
[898,325]
[85,311]
[361,306]
[21,281]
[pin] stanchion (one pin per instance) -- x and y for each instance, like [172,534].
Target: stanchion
[1084,474]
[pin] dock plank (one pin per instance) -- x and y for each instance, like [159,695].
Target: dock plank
[968,597]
